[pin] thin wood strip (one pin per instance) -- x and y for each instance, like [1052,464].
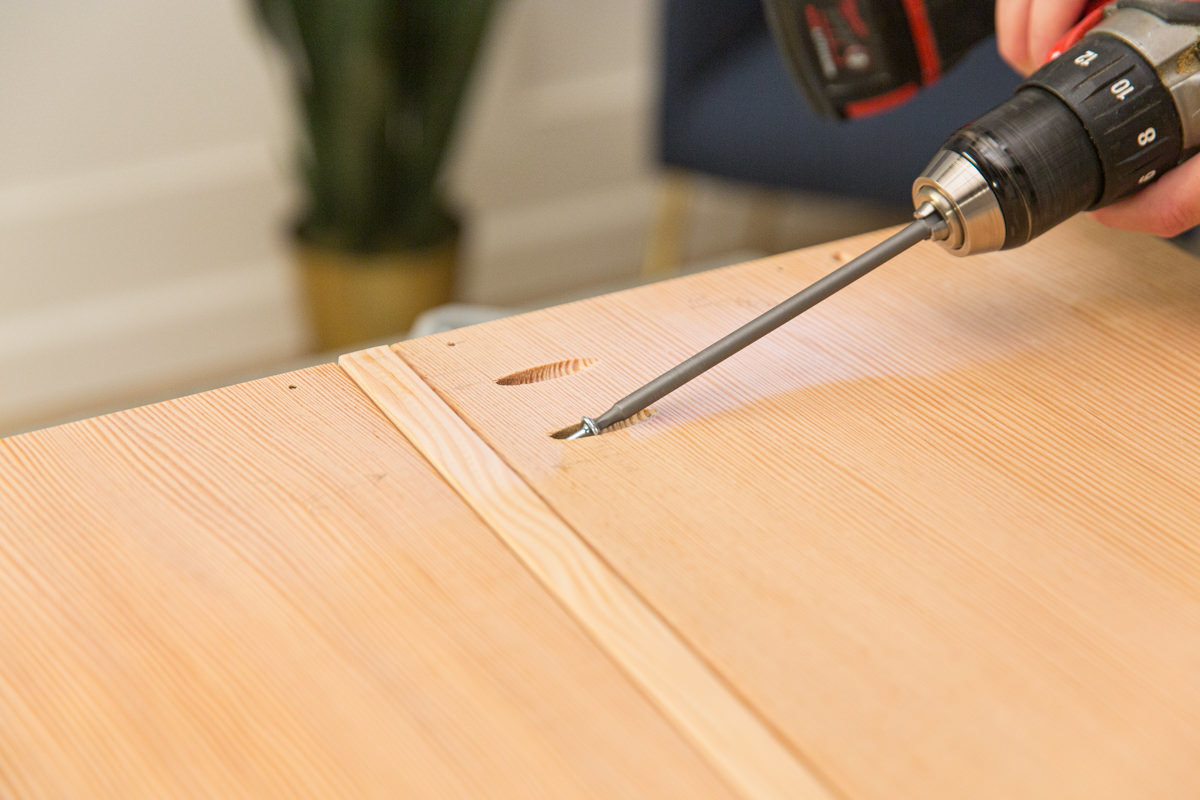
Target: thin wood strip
[739,745]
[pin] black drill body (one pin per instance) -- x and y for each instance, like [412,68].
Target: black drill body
[1092,126]
[1107,117]
[853,58]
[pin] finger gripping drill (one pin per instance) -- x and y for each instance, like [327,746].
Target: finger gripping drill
[1116,109]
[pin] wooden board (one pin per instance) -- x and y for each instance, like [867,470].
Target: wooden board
[264,591]
[741,747]
[941,531]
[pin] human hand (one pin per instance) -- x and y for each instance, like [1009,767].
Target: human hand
[1167,207]
[1027,29]
[1025,32]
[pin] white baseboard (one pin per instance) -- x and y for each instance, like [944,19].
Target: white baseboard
[120,282]
[95,351]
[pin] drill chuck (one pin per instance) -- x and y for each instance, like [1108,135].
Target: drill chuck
[1012,174]
[1103,120]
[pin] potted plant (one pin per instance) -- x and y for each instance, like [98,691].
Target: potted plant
[378,85]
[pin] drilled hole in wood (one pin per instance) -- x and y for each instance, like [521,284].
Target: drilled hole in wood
[567,431]
[640,416]
[546,372]
[292,386]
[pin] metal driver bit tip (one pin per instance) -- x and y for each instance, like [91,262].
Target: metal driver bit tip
[586,428]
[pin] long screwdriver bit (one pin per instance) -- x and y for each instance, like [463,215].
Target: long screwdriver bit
[928,224]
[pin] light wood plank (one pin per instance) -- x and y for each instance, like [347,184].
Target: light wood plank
[265,592]
[942,530]
[737,743]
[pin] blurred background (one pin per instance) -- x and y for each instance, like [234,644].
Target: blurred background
[180,181]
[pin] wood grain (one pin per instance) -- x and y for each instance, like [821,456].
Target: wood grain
[264,591]
[736,742]
[942,530]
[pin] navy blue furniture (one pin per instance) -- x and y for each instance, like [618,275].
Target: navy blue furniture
[729,109]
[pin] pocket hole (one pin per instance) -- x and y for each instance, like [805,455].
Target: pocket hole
[546,372]
[567,431]
[641,416]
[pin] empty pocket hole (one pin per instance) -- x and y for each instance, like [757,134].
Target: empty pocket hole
[546,372]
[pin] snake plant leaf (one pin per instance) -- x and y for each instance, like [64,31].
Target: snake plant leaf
[378,85]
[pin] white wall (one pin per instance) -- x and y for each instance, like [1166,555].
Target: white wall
[554,161]
[141,192]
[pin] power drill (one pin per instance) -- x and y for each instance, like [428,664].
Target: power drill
[1117,108]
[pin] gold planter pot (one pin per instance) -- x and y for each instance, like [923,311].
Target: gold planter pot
[355,298]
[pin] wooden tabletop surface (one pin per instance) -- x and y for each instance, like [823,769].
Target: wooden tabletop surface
[939,537]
